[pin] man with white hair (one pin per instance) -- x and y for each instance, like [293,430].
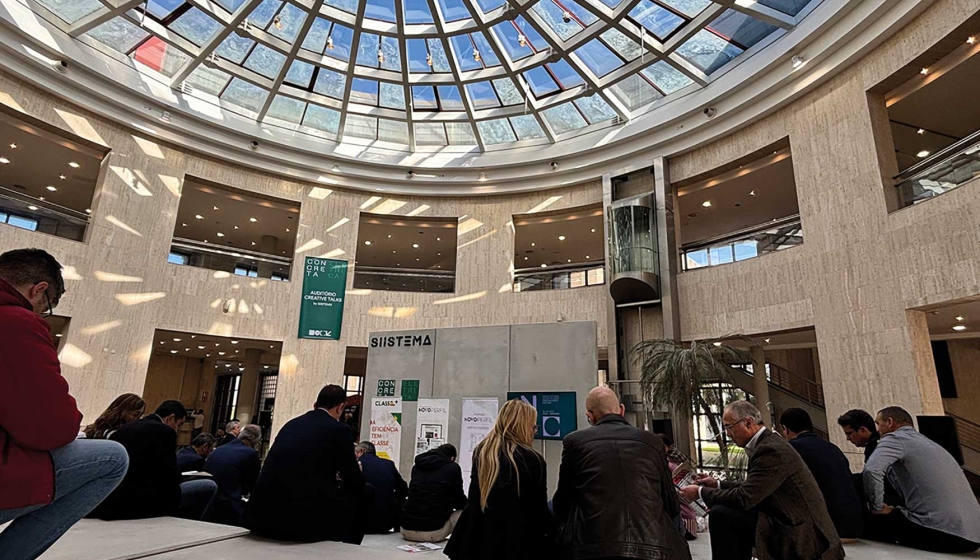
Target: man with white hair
[778,508]
[235,468]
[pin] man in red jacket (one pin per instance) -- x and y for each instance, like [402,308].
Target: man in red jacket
[48,480]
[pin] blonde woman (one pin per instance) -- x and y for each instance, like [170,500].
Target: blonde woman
[506,515]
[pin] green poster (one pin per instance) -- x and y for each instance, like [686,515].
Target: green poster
[321,313]
[556,412]
[386,387]
[410,390]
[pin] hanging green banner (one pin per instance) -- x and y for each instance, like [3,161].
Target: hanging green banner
[324,286]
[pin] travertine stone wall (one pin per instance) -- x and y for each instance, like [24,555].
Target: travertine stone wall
[112,327]
[860,267]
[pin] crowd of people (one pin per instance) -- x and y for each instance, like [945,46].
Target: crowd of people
[615,498]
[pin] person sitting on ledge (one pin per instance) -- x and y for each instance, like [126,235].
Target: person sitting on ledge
[126,408]
[859,429]
[941,514]
[192,457]
[232,429]
[235,468]
[830,469]
[297,496]
[389,489]
[48,479]
[152,487]
[435,497]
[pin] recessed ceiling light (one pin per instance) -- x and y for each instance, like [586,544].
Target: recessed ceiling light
[959,318]
[593,230]
[716,343]
[32,208]
[62,177]
[923,153]
[199,217]
[234,342]
[924,71]
[173,351]
[438,239]
[253,244]
[970,40]
[561,238]
[41,198]
[73,165]
[236,227]
[544,265]
[532,244]
[176,340]
[415,245]
[751,193]
[586,257]
[287,230]
[920,131]
[767,340]
[161,342]
[220,234]
[187,349]
[89,211]
[525,258]
[367,242]
[13,146]
[214,207]
[959,328]
[4,160]
[200,348]
[253,220]
[438,254]
[221,353]
[59,335]
[706,204]
[569,260]
[52,188]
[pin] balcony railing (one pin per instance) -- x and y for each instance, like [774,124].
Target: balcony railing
[26,212]
[404,279]
[745,244]
[236,261]
[810,391]
[941,172]
[968,432]
[576,275]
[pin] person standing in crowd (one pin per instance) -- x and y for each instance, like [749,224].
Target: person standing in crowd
[778,508]
[124,409]
[435,497]
[297,496]
[48,479]
[506,515]
[389,489]
[192,457]
[232,429]
[235,468]
[859,429]
[830,469]
[616,497]
[687,521]
[940,514]
[152,487]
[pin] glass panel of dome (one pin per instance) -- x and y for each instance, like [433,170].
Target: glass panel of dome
[626,47]
[708,51]
[288,23]
[690,8]
[195,26]
[496,131]
[509,39]
[359,126]
[490,5]
[71,10]
[598,58]
[482,95]
[364,91]
[508,92]
[656,19]
[741,29]
[564,118]
[367,50]
[595,108]
[156,54]
[391,95]
[286,109]
[392,131]
[555,18]
[790,7]
[460,134]
[162,8]
[322,118]
[417,55]
[330,83]
[540,82]
[667,78]
[450,98]
[635,92]
[265,61]
[119,34]
[462,49]
[245,94]
[345,5]
[440,63]
[417,11]
[263,13]
[584,16]
[527,127]
[487,55]
[393,58]
[234,48]
[612,3]
[300,74]
[453,10]
[383,10]
[341,37]
[424,98]
[316,37]
[230,5]
[430,134]
[209,80]
[563,72]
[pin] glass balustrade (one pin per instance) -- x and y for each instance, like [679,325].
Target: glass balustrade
[744,244]
[573,276]
[26,212]
[234,261]
[942,172]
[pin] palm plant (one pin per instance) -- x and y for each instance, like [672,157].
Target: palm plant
[672,376]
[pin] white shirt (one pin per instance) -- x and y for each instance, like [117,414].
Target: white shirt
[749,447]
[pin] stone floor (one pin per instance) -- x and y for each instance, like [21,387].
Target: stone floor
[176,539]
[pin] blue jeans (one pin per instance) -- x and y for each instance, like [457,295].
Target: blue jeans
[85,472]
[195,497]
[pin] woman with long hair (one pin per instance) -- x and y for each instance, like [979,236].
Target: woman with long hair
[506,515]
[125,409]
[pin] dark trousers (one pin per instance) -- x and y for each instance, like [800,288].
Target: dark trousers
[899,529]
[359,507]
[732,533]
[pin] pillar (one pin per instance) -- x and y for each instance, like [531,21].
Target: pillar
[760,385]
[930,399]
[248,389]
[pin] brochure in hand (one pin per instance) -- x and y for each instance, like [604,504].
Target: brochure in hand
[684,476]
[418,547]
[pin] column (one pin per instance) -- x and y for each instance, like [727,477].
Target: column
[249,387]
[760,385]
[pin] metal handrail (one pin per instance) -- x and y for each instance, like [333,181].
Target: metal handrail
[968,431]
[797,385]
[61,211]
[574,267]
[449,274]
[930,163]
[194,245]
[745,232]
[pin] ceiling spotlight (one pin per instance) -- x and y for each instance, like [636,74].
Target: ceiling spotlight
[706,204]
[214,207]
[428,59]
[277,22]
[287,230]
[561,238]
[532,244]
[389,236]
[236,227]
[415,245]
[592,230]
[970,40]
[52,188]
[253,244]
[13,146]
[253,220]
[200,348]
[751,193]
[586,257]
[187,349]
[32,208]
[41,198]
[161,342]
[924,71]
[525,258]
[922,154]
[716,344]
[4,160]
[199,217]
[234,342]
[767,340]
[544,265]
[920,131]
[569,260]
[330,43]
[521,40]
[173,351]
[798,61]
[476,55]
[367,243]
[959,328]
[176,340]
[220,234]
[62,177]
[221,353]
[959,318]
[73,165]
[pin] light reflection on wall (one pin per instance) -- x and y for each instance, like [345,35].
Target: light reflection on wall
[172,184]
[69,273]
[320,193]
[508,287]
[370,202]
[127,176]
[113,277]
[73,356]
[358,292]
[419,210]
[309,245]
[459,299]
[221,274]
[142,355]
[392,312]
[221,329]
[332,254]
[136,299]
[122,225]
[388,206]
[339,223]
[544,205]
[481,238]
[81,126]
[101,328]
[149,148]
[289,365]
[468,226]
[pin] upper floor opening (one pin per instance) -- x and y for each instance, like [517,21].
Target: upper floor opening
[405,253]
[559,249]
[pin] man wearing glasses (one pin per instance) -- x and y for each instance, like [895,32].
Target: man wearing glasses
[48,480]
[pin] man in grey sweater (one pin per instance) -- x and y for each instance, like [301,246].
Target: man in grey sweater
[941,514]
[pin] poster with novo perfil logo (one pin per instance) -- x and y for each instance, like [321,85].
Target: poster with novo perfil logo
[479,416]
[432,424]
[386,427]
[321,313]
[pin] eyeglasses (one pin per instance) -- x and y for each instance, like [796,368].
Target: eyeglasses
[50,310]
[728,427]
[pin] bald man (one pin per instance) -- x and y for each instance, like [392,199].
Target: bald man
[616,477]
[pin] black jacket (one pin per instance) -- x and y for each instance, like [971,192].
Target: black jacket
[389,493]
[226,439]
[436,491]
[516,524]
[235,468]
[869,448]
[151,487]
[833,475]
[297,496]
[189,460]
[616,497]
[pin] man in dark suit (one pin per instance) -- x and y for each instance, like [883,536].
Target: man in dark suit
[232,429]
[152,486]
[192,457]
[235,468]
[389,489]
[778,508]
[829,468]
[615,497]
[297,496]
[860,429]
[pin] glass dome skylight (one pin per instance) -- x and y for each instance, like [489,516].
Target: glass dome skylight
[424,74]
